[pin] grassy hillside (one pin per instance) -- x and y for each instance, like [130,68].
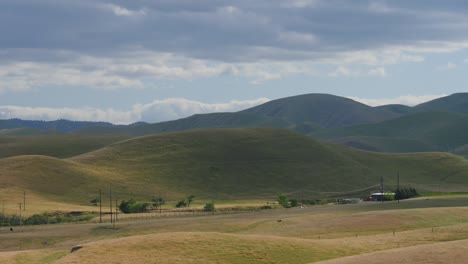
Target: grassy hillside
[323,109]
[54,145]
[443,131]
[200,121]
[302,113]
[385,144]
[225,164]
[457,103]
[24,131]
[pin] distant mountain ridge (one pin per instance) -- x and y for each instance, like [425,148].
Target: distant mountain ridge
[306,114]
[62,125]
[323,109]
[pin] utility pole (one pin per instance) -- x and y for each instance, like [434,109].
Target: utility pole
[24,201]
[110,203]
[100,206]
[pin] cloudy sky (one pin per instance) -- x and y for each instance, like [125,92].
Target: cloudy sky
[154,60]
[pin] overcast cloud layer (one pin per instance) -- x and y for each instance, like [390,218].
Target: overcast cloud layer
[134,44]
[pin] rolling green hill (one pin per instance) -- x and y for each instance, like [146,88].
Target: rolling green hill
[457,103]
[227,164]
[25,131]
[438,131]
[303,113]
[385,144]
[54,145]
[324,110]
[199,121]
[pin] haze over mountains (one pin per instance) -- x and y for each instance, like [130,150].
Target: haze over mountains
[437,125]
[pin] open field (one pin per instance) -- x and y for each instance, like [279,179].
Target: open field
[307,235]
[238,168]
[54,145]
[221,164]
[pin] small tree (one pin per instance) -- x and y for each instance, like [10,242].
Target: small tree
[283,200]
[209,207]
[293,202]
[157,202]
[190,199]
[132,206]
[405,193]
[94,201]
[181,203]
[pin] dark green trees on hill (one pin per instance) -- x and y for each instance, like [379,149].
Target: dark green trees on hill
[132,206]
[406,193]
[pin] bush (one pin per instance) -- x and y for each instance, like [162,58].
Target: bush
[157,202]
[283,200]
[181,203]
[95,201]
[209,207]
[406,193]
[131,206]
[294,202]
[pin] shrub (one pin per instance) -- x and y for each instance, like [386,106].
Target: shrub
[181,203]
[94,201]
[209,207]
[190,199]
[283,200]
[294,202]
[157,202]
[406,193]
[132,206]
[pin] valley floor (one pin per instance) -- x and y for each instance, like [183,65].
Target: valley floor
[431,230]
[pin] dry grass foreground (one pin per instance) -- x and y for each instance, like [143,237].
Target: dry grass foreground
[306,235]
[454,252]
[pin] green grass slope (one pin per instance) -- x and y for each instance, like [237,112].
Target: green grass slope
[227,164]
[457,103]
[54,145]
[323,109]
[385,144]
[199,121]
[443,131]
[24,131]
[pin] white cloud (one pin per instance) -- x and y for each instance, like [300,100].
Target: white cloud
[409,100]
[342,71]
[173,108]
[131,69]
[155,111]
[122,11]
[78,114]
[23,76]
[299,3]
[380,71]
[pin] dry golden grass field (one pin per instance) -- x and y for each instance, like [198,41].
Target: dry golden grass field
[425,230]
